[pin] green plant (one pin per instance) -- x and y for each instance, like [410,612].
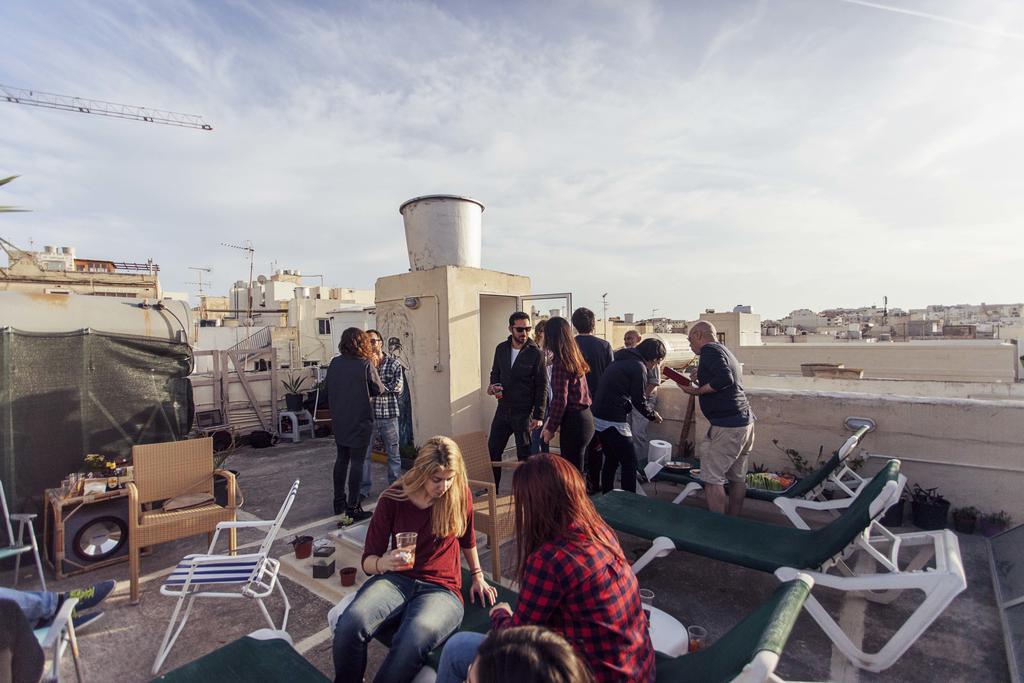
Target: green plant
[802,466]
[758,468]
[294,384]
[927,496]
[967,513]
[1000,519]
[9,209]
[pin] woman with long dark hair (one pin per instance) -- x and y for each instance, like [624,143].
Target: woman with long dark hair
[422,593]
[352,380]
[574,577]
[570,396]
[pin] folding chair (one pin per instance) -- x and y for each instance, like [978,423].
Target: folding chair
[56,638]
[750,651]
[16,545]
[769,548]
[255,574]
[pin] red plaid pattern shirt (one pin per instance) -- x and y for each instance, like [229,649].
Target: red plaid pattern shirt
[590,597]
[568,392]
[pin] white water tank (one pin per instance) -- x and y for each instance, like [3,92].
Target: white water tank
[442,230]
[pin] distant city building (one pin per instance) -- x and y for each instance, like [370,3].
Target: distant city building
[57,270]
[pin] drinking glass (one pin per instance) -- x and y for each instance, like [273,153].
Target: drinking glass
[406,543]
[698,638]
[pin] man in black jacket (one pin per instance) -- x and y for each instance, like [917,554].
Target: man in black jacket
[520,384]
[598,354]
[622,389]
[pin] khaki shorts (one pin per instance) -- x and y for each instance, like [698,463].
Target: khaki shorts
[724,454]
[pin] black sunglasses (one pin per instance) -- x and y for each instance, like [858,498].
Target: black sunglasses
[522,329]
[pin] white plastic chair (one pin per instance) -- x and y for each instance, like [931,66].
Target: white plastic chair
[16,545]
[55,639]
[256,574]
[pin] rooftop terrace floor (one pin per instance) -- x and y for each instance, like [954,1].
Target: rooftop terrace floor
[964,644]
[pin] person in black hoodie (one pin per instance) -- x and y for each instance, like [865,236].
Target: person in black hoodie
[520,383]
[352,380]
[598,354]
[621,390]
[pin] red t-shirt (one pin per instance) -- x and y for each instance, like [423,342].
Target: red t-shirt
[437,559]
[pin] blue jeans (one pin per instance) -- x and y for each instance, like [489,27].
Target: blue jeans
[387,428]
[425,613]
[36,606]
[459,652]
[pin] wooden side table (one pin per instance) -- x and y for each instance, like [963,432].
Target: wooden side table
[86,532]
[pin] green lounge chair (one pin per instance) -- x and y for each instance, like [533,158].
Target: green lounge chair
[264,656]
[771,548]
[750,651]
[834,470]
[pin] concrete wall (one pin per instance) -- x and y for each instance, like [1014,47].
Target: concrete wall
[972,447]
[738,329]
[975,363]
[442,341]
[890,387]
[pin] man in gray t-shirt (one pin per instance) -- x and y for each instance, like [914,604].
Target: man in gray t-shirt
[637,422]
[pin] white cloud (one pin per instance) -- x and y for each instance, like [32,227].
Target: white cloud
[679,156]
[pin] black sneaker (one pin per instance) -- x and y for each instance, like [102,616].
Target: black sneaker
[358,514]
[82,620]
[92,596]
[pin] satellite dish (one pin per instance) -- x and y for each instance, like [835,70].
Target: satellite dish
[262,279]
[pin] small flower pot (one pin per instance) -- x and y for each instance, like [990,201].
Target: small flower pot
[965,525]
[894,515]
[348,576]
[990,529]
[930,516]
[303,546]
[293,402]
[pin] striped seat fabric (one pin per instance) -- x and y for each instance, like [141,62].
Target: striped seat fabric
[220,572]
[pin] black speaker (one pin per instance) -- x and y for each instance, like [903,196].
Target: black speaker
[88,536]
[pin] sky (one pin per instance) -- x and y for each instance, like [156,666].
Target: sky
[679,156]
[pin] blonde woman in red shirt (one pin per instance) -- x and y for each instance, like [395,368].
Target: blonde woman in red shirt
[424,597]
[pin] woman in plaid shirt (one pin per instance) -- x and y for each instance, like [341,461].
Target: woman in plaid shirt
[575,580]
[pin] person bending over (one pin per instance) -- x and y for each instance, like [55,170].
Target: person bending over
[575,580]
[423,598]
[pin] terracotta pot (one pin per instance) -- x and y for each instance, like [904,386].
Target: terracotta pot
[303,546]
[348,576]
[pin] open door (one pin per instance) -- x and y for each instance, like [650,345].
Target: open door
[547,305]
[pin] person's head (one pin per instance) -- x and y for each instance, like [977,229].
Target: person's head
[701,332]
[631,339]
[538,331]
[440,473]
[550,495]
[652,350]
[519,326]
[355,343]
[527,653]
[559,341]
[376,341]
[583,320]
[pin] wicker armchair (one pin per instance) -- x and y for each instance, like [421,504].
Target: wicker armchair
[166,470]
[493,515]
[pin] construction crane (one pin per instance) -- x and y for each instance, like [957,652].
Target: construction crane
[36,98]
[246,247]
[199,275]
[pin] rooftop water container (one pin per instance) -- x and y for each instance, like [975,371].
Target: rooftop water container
[442,230]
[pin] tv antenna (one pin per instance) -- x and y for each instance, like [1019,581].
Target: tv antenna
[199,276]
[248,248]
[604,306]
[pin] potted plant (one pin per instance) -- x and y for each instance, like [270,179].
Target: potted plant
[928,508]
[966,519]
[293,391]
[995,522]
[894,515]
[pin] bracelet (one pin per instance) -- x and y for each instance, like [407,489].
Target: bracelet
[476,571]
[376,565]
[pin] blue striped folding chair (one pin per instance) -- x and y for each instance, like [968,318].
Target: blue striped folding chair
[252,575]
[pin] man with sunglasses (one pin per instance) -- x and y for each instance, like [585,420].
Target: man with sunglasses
[520,383]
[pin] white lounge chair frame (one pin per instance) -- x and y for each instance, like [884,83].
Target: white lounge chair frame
[258,581]
[55,639]
[16,544]
[939,584]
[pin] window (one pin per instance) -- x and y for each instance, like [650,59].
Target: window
[323,325]
[721,337]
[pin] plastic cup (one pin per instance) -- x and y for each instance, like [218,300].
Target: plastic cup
[405,542]
[646,597]
[698,638]
[498,391]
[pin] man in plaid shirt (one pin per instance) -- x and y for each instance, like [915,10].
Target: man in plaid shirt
[385,414]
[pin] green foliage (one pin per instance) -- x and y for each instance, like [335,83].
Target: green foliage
[927,496]
[1000,519]
[9,209]
[967,513]
[294,384]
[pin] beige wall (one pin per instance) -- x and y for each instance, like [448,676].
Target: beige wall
[976,444]
[442,341]
[740,329]
[974,363]
[890,387]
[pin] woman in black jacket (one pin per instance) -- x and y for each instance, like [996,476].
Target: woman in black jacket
[622,389]
[352,381]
